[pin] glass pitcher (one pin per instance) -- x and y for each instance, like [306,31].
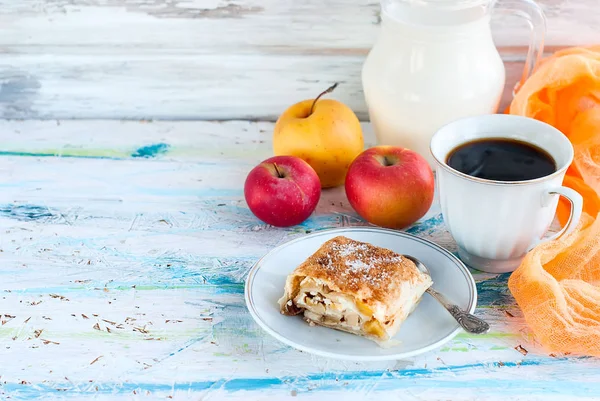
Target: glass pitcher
[435,61]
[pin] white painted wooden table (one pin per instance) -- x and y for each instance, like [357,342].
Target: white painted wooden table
[123,251]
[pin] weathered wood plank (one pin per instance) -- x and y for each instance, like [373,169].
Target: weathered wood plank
[245,25]
[220,87]
[208,59]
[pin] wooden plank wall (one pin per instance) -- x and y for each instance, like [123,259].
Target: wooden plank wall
[211,59]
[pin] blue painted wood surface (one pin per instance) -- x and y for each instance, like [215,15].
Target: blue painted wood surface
[124,249]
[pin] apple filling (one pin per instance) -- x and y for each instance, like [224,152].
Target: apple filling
[329,308]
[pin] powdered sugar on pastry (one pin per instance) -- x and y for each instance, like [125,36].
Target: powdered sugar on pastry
[355,287]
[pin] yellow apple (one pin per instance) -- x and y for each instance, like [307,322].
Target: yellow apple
[324,133]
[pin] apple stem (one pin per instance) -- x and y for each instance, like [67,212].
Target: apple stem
[277,170]
[328,90]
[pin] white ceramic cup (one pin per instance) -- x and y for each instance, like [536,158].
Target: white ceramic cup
[495,223]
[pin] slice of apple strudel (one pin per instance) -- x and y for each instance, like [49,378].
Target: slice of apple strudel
[355,287]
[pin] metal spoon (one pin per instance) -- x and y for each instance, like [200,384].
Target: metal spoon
[467,321]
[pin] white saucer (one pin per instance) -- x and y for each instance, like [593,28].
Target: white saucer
[427,328]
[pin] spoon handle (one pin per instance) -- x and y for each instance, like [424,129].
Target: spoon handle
[469,322]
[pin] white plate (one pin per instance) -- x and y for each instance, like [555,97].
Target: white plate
[427,328]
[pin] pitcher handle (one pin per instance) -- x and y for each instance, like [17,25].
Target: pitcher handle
[534,15]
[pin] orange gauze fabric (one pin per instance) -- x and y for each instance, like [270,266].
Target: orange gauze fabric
[557,286]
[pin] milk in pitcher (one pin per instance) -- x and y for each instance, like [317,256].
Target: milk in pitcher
[430,65]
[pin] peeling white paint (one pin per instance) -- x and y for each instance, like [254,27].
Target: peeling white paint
[122,276]
[244,59]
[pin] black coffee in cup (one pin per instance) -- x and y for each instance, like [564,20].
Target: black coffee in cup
[501,159]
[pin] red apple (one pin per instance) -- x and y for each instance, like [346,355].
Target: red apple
[390,186]
[282,191]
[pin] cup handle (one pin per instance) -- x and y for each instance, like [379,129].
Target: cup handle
[576,201]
